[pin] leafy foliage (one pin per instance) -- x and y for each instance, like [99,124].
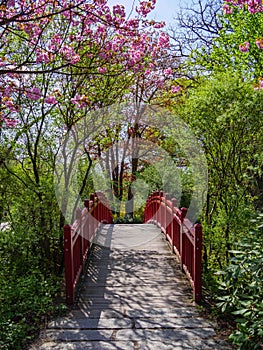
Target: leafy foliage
[242,289]
[225,113]
[27,295]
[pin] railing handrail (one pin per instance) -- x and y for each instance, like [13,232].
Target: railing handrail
[184,237]
[79,236]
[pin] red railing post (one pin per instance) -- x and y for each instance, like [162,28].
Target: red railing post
[159,219]
[165,224]
[96,207]
[91,210]
[145,214]
[151,208]
[96,211]
[182,237]
[78,218]
[157,207]
[69,268]
[86,232]
[197,262]
[174,225]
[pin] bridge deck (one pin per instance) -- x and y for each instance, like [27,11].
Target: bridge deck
[133,297]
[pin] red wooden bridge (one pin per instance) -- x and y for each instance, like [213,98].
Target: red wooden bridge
[139,283]
[185,238]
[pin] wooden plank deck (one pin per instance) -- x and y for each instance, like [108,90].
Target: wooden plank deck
[133,297]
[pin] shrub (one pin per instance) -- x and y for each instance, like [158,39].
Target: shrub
[242,290]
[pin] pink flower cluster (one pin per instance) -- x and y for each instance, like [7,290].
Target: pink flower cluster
[146,7]
[168,71]
[34,93]
[51,100]
[175,89]
[259,43]
[253,6]
[119,10]
[227,9]
[80,101]
[164,40]
[244,47]
[69,54]
[62,33]
[259,86]
[43,56]
[8,122]
[7,102]
[102,70]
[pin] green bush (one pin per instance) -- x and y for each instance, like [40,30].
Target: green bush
[25,302]
[27,291]
[242,290]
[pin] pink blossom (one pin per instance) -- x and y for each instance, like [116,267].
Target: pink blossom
[3,62]
[136,56]
[11,106]
[56,39]
[132,23]
[75,100]
[51,100]
[175,89]
[36,31]
[146,7]
[168,71]
[101,30]
[253,6]
[119,10]
[227,9]
[159,83]
[10,123]
[244,47]
[259,43]
[7,91]
[28,28]
[163,40]
[108,17]
[158,25]
[34,93]
[67,51]
[80,101]
[100,2]
[43,57]
[259,86]
[102,70]
[10,3]
[74,59]
[147,72]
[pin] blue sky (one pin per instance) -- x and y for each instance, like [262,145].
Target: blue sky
[165,9]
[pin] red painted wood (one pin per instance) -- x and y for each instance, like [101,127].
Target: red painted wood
[184,237]
[198,262]
[78,239]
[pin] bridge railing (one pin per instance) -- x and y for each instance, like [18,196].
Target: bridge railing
[79,236]
[185,238]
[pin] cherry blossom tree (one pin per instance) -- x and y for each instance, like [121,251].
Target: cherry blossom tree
[239,43]
[48,36]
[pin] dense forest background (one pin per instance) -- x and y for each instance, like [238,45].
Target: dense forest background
[60,65]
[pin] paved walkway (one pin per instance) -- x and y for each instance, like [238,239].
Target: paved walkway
[133,297]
